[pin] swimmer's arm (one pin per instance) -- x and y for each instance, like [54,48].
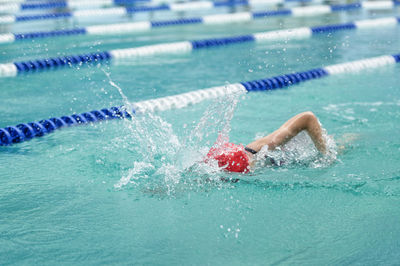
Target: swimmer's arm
[303,121]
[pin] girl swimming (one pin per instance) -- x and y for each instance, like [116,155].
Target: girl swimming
[237,158]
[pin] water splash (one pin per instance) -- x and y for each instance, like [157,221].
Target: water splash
[166,158]
[298,151]
[140,169]
[212,129]
[127,105]
[215,120]
[167,163]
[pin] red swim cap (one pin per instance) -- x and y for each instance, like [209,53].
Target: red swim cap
[231,157]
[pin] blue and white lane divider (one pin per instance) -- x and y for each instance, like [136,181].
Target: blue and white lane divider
[57,1]
[32,66]
[14,7]
[120,11]
[142,26]
[26,131]
[17,7]
[30,1]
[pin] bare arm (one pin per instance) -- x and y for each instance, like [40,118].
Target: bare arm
[303,121]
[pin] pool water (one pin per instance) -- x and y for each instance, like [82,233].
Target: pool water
[136,191]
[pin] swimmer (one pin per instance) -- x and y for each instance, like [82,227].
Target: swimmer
[236,158]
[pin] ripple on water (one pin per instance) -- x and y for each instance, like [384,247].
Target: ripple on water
[40,236]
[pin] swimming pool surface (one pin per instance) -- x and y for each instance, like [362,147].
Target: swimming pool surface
[132,192]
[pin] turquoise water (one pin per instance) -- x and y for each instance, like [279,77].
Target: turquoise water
[131,192]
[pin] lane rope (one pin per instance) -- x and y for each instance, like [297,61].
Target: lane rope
[26,131]
[143,26]
[38,65]
[203,5]
[8,6]
[15,7]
